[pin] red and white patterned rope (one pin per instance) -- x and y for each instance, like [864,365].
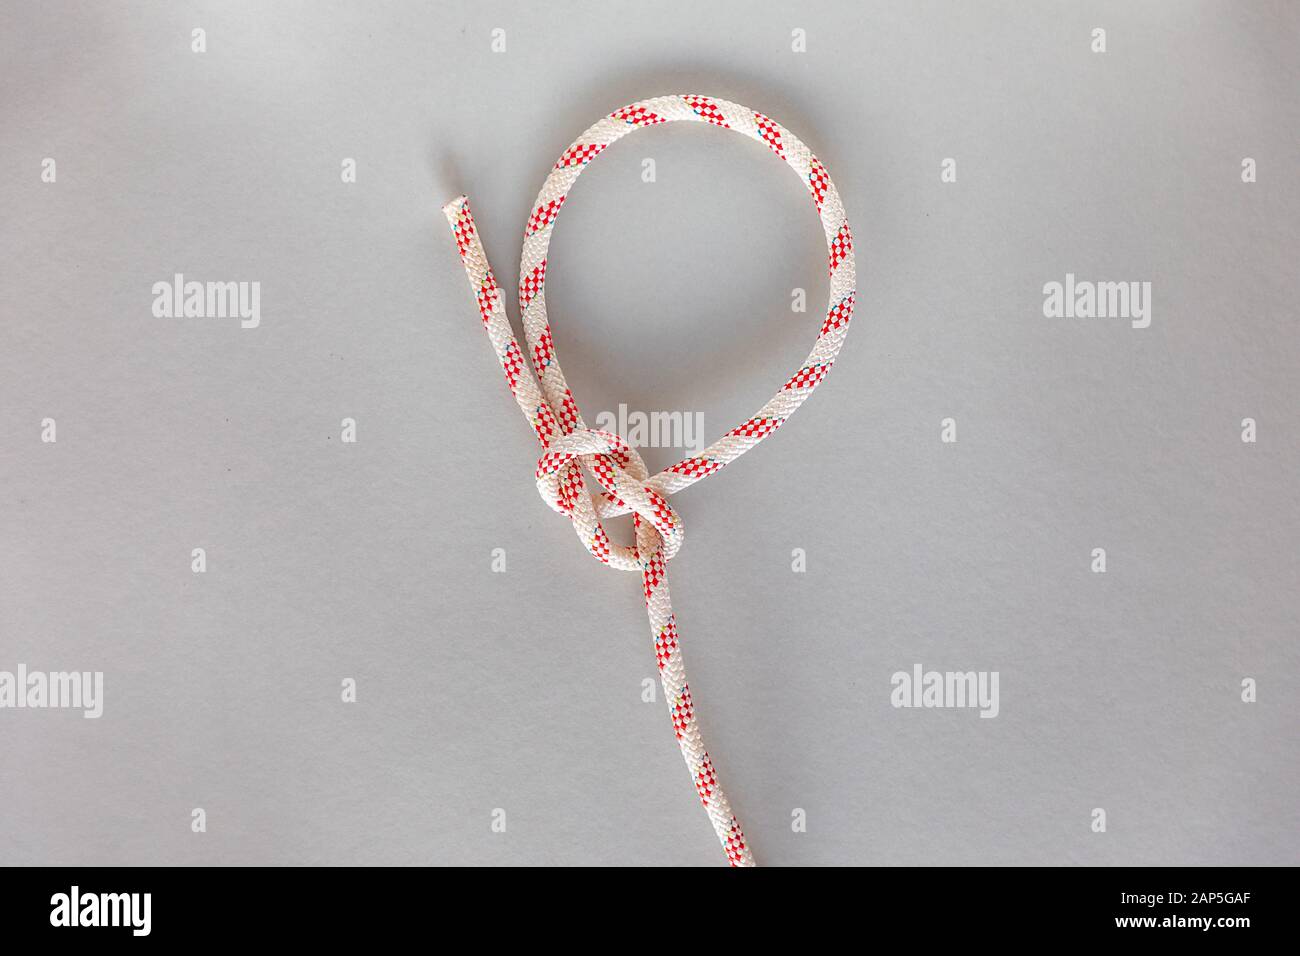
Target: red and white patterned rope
[568,444]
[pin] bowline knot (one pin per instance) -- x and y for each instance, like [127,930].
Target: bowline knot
[621,472]
[544,398]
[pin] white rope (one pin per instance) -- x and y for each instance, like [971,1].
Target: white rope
[569,445]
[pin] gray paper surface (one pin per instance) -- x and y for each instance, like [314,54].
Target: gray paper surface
[372,561]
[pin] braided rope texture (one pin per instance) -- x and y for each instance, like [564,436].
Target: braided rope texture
[569,446]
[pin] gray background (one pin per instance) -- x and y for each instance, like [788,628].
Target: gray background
[522,690]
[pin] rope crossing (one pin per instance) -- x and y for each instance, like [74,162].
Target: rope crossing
[569,445]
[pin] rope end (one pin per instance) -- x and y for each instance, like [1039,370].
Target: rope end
[451,209]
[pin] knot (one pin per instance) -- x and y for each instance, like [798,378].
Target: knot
[622,474]
[543,396]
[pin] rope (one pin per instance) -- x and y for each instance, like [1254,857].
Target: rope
[569,444]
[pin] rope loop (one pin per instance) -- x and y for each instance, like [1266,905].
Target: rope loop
[569,446]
